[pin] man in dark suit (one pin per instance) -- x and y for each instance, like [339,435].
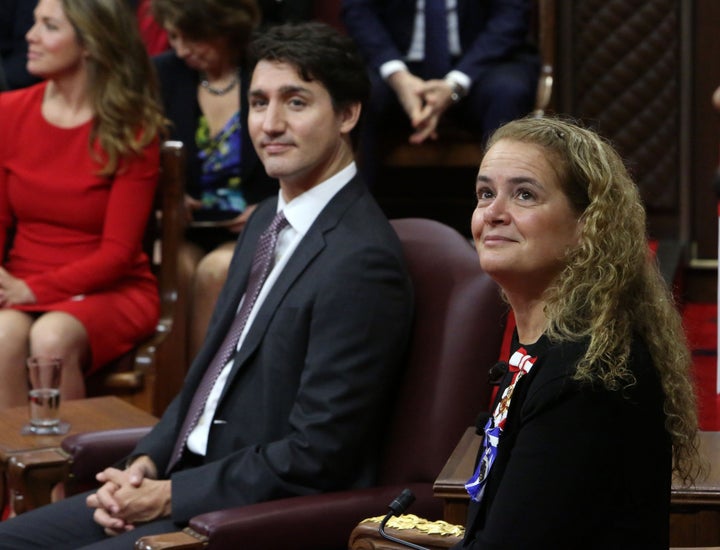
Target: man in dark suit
[298,408]
[483,71]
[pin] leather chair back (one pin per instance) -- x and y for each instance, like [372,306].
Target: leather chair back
[458,328]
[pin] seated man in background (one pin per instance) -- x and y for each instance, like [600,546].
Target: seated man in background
[469,59]
[289,392]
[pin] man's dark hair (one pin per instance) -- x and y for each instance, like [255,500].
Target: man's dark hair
[319,53]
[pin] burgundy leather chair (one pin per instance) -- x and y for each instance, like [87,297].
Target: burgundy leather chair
[457,333]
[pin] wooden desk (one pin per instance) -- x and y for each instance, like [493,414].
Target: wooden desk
[84,415]
[694,511]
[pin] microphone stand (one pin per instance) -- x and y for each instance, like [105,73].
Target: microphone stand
[397,508]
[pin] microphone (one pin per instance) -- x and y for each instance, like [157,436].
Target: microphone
[497,372]
[397,507]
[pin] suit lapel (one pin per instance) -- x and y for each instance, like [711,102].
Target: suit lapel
[231,294]
[311,246]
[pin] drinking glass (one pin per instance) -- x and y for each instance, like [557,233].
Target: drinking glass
[44,375]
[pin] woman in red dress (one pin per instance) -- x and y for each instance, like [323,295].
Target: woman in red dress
[79,158]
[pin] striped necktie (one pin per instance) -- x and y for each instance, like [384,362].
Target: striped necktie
[261,265]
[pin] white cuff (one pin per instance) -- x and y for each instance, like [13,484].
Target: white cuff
[391,67]
[461,79]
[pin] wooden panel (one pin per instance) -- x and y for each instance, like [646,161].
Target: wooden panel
[705,134]
[609,54]
[449,485]
[621,72]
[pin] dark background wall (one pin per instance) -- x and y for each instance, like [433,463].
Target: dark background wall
[642,72]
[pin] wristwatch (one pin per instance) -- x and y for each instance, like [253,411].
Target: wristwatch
[458,92]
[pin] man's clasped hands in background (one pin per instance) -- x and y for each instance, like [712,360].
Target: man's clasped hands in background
[424,102]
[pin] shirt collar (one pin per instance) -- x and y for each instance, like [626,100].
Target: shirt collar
[302,211]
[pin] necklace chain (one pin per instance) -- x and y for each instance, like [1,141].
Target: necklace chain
[218,91]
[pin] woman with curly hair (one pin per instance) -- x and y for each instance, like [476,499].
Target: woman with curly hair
[79,160]
[596,409]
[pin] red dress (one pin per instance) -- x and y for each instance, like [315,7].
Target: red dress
[77,235]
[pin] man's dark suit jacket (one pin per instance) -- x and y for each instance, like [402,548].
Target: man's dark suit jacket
[577,466]
[303,406]
[178,86]
[490,30]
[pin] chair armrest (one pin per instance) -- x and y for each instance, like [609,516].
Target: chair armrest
[313,522]
[450,483]
[179,540]
[367,537]
[144,362]
[32,475]
[90,452]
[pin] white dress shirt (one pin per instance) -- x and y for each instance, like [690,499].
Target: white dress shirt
[417,45]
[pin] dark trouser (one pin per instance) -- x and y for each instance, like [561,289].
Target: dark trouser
[68,524]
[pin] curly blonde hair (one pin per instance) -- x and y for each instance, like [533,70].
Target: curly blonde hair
[121,80]
[611,287]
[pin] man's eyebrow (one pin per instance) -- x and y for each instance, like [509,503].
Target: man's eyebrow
[284,90]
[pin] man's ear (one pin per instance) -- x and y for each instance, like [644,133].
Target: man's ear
[349,116]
